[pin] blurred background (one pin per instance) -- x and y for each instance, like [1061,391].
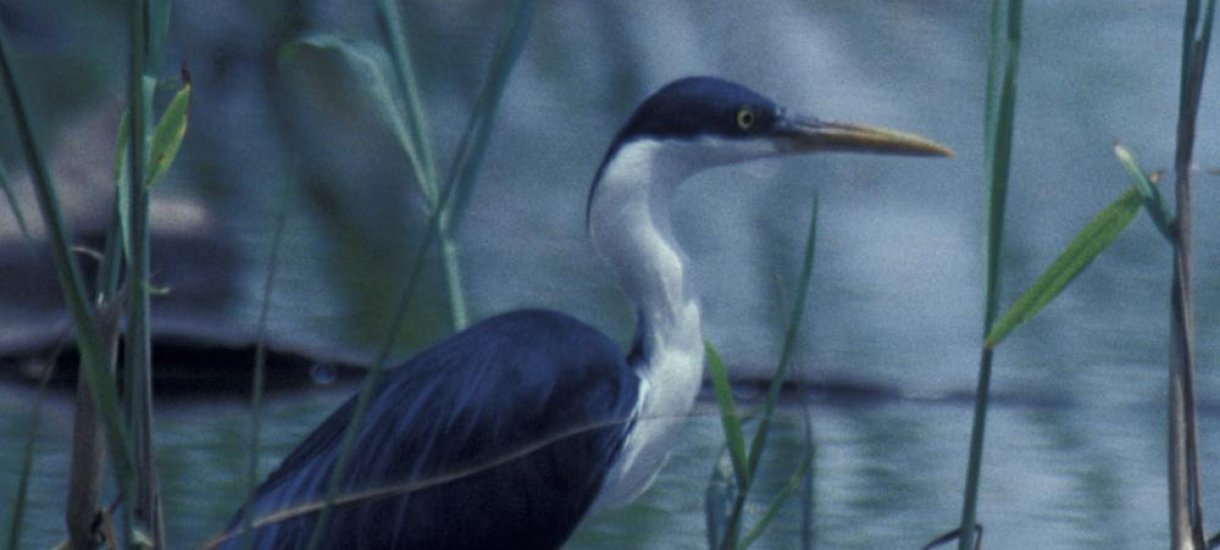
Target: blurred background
[1076,441]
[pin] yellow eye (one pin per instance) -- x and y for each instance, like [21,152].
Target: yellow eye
[745,118]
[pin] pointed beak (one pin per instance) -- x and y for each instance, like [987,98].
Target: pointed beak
[809,135]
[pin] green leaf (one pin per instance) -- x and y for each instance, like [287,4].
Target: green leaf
[730,420]
[1091,240]
[167,138]
[362,67]
[68,273]
[1153,202]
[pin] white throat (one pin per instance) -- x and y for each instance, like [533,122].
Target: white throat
[629,223]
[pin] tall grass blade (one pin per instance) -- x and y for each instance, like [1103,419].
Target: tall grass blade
[730,420]
[478,128]
[88,452]
[1091,241]
[416,118]
[416,122]
[364,65]
[260,368]
[758,444]
[790,334]
[1154,203]
[474,140]
[89,343]
[997,140]
[1185,499]
[144,515]
[435,221]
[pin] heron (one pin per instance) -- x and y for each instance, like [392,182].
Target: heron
[510,432]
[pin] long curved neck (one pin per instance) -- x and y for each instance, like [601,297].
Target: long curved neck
[629,223]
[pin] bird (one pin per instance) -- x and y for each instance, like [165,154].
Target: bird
[509,433]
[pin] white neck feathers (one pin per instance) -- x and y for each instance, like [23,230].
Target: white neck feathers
[629,223]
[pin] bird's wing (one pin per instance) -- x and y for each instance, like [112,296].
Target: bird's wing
[503,432]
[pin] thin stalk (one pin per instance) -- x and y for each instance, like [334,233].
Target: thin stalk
[998,128]
[470,153]
[373,378]
[138,352]
[791,331]
[1185,499]
[85,476]
[419,152]
[469,159]
[260,369]
[417,122]
[68,273]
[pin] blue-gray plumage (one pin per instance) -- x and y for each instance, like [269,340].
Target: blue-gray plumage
[506,434]
[495,401]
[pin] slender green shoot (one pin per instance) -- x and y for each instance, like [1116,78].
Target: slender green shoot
[1000,112]
[363,64]
[1090,242]
[419,147]
[364,398]
[137,345]
[747,474]
[260,367]
[730,420]
[790,338]
[425,165]
[478,128]
[1185,499]
[68,273]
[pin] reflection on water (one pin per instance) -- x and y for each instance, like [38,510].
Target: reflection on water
[1075,453]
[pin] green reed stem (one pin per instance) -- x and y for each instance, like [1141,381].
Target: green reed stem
[260,367]
[1185,498]
[68,273]
[515,24]
[998,126]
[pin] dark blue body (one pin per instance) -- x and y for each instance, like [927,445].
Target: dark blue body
[507,429]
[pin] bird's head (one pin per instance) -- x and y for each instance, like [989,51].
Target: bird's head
[697,123]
